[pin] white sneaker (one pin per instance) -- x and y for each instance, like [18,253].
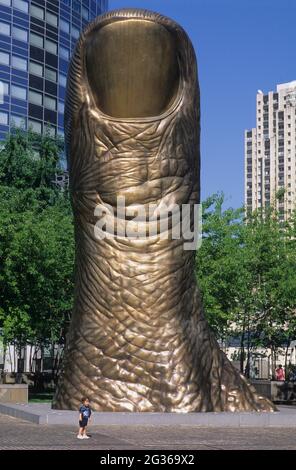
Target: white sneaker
[85,436]
[79,436]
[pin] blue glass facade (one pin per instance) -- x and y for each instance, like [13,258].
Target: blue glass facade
[36,41]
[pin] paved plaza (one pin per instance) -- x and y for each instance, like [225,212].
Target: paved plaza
[18,434]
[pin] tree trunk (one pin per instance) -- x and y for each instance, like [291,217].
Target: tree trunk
[286,359]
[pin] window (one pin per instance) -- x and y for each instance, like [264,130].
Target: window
[35,97]
[61,107]
[50,103]
[5,28]
[18,92]
[51,46]
[4,90]
[35,126]
[85,13]
[76,6]
[64,26]
[18,121]
[3,118]
[6,2]
[36,40]
[75,32]
[36,69]
[64,52]
[62,80]
[37,12]
[4,58]
[50,74]
[20,34]
[51,19]
[21,5]
[19,63]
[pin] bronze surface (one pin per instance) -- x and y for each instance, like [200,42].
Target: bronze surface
[132,68]
[138,339]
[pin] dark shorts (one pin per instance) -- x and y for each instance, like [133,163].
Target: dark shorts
[83,422]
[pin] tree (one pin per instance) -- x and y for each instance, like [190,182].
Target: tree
[268,257]
[218,263]
[36,242]
[247,273]
[38,274]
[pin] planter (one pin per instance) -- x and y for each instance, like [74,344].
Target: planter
[275,390]
[13,393]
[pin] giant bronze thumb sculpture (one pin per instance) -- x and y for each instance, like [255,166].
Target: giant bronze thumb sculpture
[138,339]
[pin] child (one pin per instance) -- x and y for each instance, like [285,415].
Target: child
[84,416]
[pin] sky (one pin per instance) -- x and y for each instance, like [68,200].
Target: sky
[241,46]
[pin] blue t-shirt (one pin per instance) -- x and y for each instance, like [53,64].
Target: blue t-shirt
[85,411]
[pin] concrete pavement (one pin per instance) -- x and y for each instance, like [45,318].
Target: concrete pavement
[17,434]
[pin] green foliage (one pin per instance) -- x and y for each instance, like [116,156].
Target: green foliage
[218,262]
[36,242]
[247,274]
[29,161]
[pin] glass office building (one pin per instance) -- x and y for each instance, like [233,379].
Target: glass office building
[36,41]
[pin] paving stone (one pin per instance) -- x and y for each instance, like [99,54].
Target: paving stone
[17,434]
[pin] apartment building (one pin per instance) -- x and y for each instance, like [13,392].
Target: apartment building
[270,151]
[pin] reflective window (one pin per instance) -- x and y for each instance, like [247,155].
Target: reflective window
[50,103]
[21,5]
[76,5]
[64,26]
[3,118]
[51,46]
[36,69]
[19,63]
[50,74]
[18,92]
[4,90]
[93,5]
[5,2]
[4,58]
[18,121]
[4,28]
[20,34]
[85,13]
[35,97]
[51,19]
[75,32]
[61,107]
[62,80]
[37,12]
[64,52]
[36,40]
[35,126]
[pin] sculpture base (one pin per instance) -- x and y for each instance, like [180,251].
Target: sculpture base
[43,414]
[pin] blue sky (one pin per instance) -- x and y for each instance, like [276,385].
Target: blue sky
[241,46]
